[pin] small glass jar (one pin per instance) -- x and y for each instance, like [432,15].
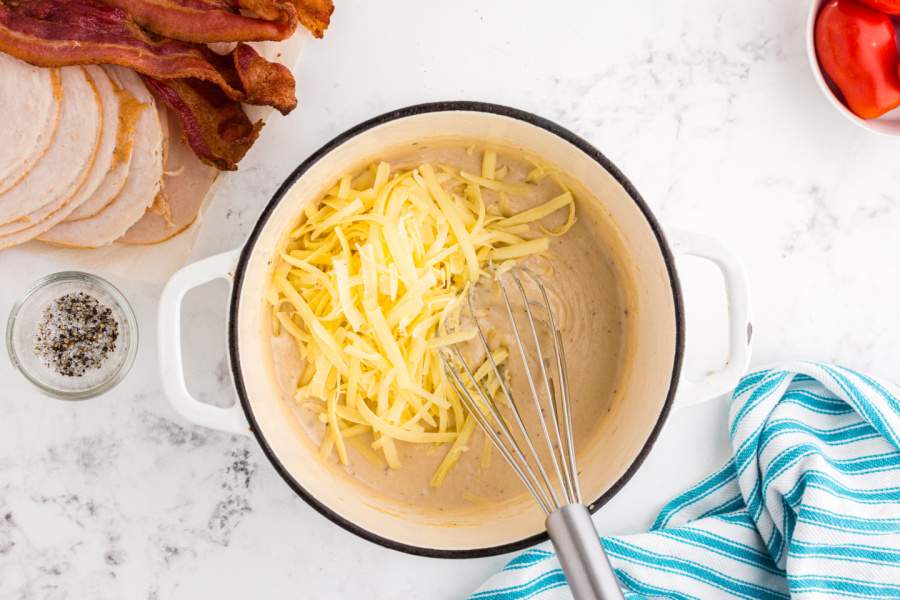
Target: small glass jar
[29,311]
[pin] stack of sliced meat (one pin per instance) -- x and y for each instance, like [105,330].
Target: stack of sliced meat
[94,168]
[97,160]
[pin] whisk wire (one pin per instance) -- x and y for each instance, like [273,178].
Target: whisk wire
[498,417]
[534,395]
[567,413]
[521,451]
[567,450]
[516,457]
[560,463]
[514,408]
[584,562]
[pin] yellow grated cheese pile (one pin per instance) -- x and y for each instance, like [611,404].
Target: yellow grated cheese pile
[365,282]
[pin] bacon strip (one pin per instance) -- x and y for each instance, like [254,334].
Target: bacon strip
[213,20]
[215,127]
[55,33]
[315,15]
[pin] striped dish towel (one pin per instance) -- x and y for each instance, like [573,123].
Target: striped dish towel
[808,507]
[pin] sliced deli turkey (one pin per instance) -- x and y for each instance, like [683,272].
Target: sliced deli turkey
[59,175]
[23,141]
[57,210]
[128,109]
[142,185]
[186,185]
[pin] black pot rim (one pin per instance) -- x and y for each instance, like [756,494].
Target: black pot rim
[418,109]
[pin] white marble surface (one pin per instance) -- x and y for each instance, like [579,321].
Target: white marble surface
[709,108]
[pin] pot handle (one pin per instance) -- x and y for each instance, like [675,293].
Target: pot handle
[171,366]
[740,329]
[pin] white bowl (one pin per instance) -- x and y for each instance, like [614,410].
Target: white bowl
[886,124]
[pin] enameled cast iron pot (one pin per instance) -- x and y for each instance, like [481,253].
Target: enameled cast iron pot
[626,433]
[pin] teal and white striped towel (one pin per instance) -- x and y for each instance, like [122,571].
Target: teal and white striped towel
[808,507]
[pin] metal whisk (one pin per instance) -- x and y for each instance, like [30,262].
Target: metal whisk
[555,485]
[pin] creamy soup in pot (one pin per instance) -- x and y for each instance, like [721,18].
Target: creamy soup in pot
[590,294]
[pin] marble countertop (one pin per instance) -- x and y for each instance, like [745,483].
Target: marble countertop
[709,108]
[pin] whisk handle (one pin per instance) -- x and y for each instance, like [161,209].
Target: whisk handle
[581,555]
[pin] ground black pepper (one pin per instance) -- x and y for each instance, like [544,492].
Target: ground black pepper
[76,333]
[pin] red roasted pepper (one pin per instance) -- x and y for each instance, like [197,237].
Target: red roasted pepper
[856,48]
[891,7]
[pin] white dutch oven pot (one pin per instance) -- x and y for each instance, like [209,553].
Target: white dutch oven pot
[627,431]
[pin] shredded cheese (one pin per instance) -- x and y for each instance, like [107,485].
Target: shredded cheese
[363,283]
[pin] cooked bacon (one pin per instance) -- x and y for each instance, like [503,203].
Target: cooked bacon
[55,33]
[257,76]
[315,15]
[215,126]
[213,20]
[272,10]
